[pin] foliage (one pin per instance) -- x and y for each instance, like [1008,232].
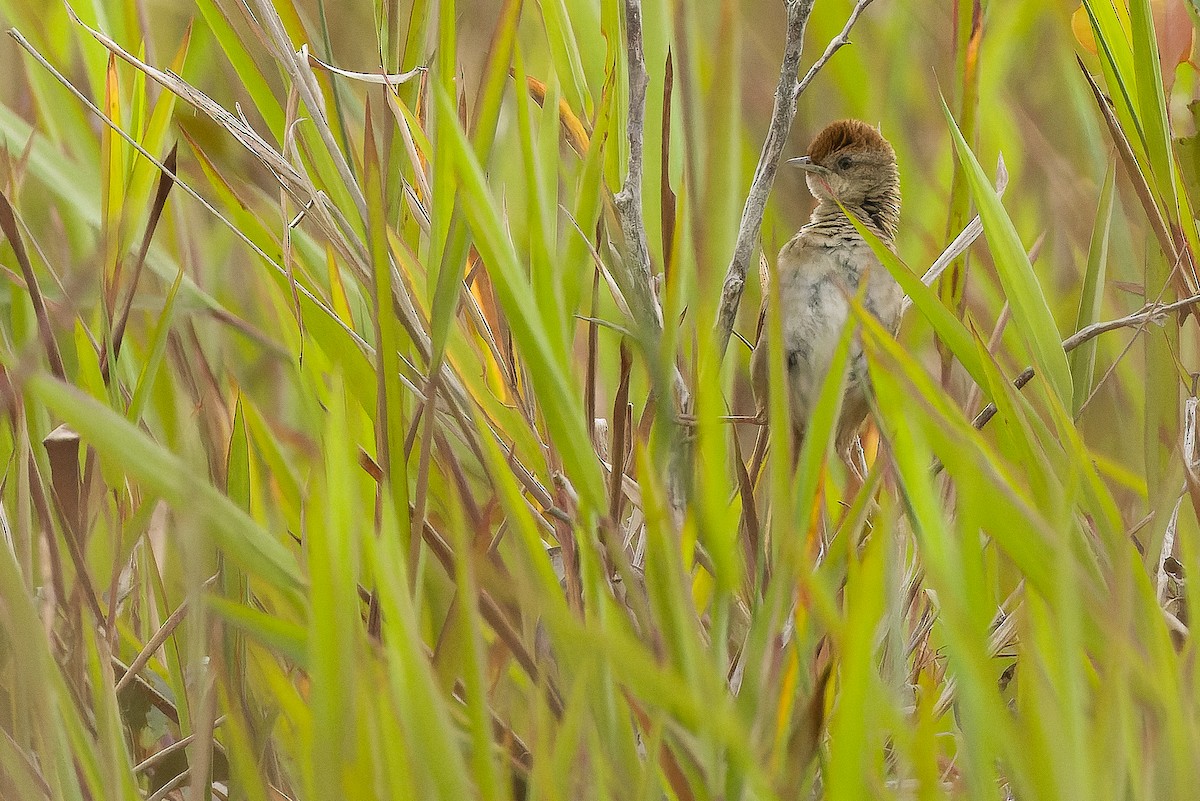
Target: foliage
[341,458]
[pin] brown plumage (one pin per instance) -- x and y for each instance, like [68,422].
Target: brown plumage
[825,262]
[846,135]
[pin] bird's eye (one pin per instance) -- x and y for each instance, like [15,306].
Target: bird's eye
[844,163]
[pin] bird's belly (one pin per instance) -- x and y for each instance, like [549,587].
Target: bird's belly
[816,310]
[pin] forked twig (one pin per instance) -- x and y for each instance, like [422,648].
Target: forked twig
[835,44]
[640,293]
[1150,313]
[750,226]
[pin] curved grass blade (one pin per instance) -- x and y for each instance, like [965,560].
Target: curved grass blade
[1083,358]
[562,409]
[945,324]
[1030,312]
[167,476]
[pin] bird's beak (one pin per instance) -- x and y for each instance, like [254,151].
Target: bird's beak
[808,165]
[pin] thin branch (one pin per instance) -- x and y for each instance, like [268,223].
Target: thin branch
[646,312]
[835,44]
[639,292]
[750,226]
[1150,313]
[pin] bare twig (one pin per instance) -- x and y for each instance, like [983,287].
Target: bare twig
[750,226]
[835,44]
[639,290]
[1150,313]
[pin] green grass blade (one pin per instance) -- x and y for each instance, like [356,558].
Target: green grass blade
[1091,297]
[1030,311]
[166,475]
[564,410]
[945,324]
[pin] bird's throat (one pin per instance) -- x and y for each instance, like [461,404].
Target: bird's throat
[880,213]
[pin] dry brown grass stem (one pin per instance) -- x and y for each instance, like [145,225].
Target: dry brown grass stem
[1152,312]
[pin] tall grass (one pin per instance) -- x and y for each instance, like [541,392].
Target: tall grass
[348,453]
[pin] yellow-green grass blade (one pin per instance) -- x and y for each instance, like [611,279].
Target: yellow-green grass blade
[77,184]
[564,50]
[1029,308]
[945,323]
[250,77]
[115,762]
[667,584]
[540,210]
[968,49]
[284,474]
[154,137]
[1016,429]
[432,738]
[448,239]
[720,200]
[49,27]
[496,78]
[1091,296]
[586,208]
[535,568]
[112,177]
[562,409]
[334,622]
[716,518]
[158,346]
[1110,26]
[820,435]
[51,722]
[853,729]
[1015,524]
[166,475]
[1161,423]
[389,412]
[473,666]
[950,561]
[1152,102]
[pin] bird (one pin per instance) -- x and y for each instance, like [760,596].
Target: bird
[822,267]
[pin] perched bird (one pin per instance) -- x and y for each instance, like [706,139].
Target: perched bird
[824,264]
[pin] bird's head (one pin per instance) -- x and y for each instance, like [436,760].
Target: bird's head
[851,161]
